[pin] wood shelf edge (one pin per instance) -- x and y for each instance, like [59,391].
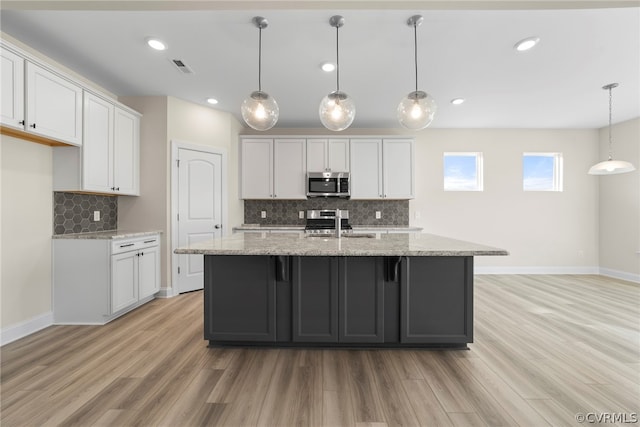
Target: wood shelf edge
[5,130]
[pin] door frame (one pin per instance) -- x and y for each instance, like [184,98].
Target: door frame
[175,237]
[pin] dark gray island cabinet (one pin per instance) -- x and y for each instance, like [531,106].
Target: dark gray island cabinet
[291,290]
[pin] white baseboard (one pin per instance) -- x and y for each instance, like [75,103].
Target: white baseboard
[166,293]
[535,270]
[631,277]
[27,327]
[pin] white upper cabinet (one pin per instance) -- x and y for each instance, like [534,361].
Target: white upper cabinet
[12,90]
[97,152]
[289,169]
[398,169]
[273,169]
[54,106]
[366,169]
[256,169]
[126,152]
[328,155]
[109,159]
[382,168]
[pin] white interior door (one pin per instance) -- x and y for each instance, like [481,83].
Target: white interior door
[199,210]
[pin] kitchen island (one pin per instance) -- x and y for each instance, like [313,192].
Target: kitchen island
[390,290]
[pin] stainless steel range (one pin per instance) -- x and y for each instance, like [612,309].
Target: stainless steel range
[324,221]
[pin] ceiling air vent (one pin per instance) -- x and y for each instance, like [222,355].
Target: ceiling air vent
[181,66]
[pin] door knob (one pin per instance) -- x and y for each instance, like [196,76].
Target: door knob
[217,226]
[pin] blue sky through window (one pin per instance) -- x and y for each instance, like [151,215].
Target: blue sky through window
[538,172]
[461,172]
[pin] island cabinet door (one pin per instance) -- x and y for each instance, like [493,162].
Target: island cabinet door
[239,298]
[436,300]
[314,291]
[361,315]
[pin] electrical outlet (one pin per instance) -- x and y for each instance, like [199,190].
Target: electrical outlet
[378,214]
[263,214]
[96,215]
[301,214]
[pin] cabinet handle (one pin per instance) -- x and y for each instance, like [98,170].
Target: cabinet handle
[127,245]
[150,241]
[141,253]
[33,125]
[21,122]
[117,188]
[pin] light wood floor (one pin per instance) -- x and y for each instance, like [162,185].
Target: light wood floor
[546,348]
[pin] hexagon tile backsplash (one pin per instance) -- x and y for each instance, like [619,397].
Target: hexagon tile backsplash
[361,212]
[73,213]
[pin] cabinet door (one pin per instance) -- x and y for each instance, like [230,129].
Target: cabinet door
[12,74]
[314,289]
[97,149]
[256,173]
[316,155]
[361,287]
[398,170]
[126,146]
[338,155]
[366,168]
[239,298]
[148,272]
[124,283]
[436,300]
[289,169]
[54,106]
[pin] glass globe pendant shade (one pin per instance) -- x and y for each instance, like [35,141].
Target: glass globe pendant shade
[337,111]
[416,110]
[611,167]
[260,110]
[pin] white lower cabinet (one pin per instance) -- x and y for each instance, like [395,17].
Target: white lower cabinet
[95,281]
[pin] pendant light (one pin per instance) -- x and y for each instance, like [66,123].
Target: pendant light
[416,110]
[610,166]
[260,110]
[337,109]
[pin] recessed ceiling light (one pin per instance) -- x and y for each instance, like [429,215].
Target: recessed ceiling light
[156,44]
[457,101]
[212,101]
[526,44]
[328,67]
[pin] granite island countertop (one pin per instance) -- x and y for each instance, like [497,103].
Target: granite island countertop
[356,228]
[107,235]
[300,244]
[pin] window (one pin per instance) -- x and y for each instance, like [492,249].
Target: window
[462,171]
[542,171]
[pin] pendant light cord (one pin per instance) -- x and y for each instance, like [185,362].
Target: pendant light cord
[415,51]
[259,59]
[337,58]
[610,138]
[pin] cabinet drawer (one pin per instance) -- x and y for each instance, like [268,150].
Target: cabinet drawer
[120,246]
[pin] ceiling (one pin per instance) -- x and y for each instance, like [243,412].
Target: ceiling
[461,53]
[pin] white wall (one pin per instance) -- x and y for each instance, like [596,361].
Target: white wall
[26,226]
[543,231]
[620,204]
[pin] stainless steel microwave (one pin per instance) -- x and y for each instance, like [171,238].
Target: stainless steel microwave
[328,184]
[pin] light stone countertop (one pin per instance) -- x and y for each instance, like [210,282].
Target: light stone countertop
[108,235]
[258,227]
[300,244]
